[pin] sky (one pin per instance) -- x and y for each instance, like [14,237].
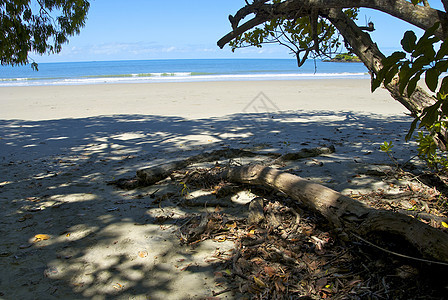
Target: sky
[179,29]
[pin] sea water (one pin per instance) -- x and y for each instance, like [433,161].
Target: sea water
[176,70]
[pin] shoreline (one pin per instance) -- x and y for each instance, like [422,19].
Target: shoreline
[180,77]
[193,99]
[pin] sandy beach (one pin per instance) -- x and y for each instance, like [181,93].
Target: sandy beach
[60,145]
[191,100]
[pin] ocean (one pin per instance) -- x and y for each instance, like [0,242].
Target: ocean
[176,70]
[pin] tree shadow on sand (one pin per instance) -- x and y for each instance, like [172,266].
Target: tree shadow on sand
[109,243]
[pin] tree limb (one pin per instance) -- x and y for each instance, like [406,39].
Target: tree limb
[368,52]
[445,4]
[421,16]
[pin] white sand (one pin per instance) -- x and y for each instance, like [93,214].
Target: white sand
[60,144]
[190,100]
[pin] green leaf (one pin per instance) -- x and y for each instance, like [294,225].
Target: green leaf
[441,66]
[412,129]
[404,75]
[430,31]
[408,41]
[375,84]
[386,147]
[443,51]
[393,58]
[419,63]
[34,66]
[444,108]
[430,115]
[413,83]
[432,79]
[444,86]
[390,74]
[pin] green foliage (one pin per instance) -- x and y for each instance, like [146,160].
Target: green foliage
[428,150]
[185,192]
[40,26]
[387,147]
[348,57]
[303,36]
[421,57]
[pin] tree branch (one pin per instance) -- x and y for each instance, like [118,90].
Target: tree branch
[371,56]
[421,16]
[240,30]
[445,5]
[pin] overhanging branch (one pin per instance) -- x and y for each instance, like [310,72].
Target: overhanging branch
[421,16]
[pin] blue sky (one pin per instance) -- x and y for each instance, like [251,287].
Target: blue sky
[171,29]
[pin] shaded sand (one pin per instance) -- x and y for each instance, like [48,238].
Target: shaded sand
[59,146]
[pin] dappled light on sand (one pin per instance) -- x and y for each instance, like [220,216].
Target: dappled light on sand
[107,242]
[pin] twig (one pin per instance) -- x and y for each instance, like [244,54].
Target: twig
[399,254]
[224,291]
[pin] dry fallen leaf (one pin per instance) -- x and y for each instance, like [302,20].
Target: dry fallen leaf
[279,286]
[269,271]
[231,226]
[143,254]
[259,282]
[444,224]
[118,286]
[25,217]
[321,283]
[41,237]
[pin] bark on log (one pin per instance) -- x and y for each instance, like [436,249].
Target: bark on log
[151,175]
[345,213]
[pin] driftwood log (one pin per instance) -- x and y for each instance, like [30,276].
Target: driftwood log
[347,214]
[151,175]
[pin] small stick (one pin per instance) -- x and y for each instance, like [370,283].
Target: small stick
[224,291]
[399,254]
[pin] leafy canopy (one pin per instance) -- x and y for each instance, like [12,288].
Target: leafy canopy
[428,57]
[40,26]
[308,36]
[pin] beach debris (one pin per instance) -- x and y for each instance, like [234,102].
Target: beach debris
[5,254]
[41,237]
[25,217]
[118,286]
[51,272]
[34,209]
[125,183]
[306,153]
[256,213]
[143,254]
[345,212]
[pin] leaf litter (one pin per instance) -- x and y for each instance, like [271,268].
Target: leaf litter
[292,253]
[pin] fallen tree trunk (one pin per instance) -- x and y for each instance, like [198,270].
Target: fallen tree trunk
[151,175]
[345,213]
